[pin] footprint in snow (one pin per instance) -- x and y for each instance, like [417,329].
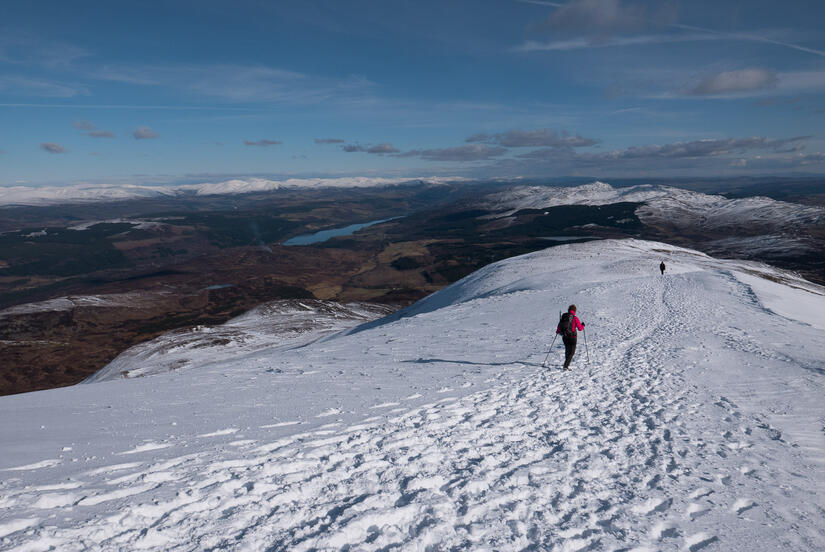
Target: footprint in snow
[697,510]
[653,505]
[700,492]
[699,541]
[664,530]
[742,505]
[746,470]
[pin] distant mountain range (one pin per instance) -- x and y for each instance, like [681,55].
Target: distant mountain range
[750,227]
[91,193]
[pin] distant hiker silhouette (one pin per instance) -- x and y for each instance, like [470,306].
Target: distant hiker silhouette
[662,267]
[569,324]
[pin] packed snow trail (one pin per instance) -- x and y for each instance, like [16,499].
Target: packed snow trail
[696,426]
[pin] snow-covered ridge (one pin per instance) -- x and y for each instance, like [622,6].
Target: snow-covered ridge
[275,325]
[662,204]
[691,421]
[69,302]
[86,193]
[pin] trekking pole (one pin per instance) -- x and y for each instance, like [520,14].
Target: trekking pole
[551,350]
[585,345]
[551,345]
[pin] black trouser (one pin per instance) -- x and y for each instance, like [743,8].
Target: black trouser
[569,349]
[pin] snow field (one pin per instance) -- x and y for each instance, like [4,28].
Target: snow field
[693,427]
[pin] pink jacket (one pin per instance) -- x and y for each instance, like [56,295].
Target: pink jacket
[577,325]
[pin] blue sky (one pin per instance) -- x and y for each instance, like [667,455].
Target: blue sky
[181,91]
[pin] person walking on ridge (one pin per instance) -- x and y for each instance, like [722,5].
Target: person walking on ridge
[662,267]
[569,325]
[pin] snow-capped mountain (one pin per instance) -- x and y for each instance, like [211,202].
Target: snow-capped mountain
[663,204]
[89,193]
[758,228]
[692,420]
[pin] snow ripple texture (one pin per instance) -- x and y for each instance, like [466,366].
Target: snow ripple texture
[696,425]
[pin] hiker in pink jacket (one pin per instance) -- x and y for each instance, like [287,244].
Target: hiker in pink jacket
[569,324]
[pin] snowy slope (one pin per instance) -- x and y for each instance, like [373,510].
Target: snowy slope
[283,324]
[70,302]
[696,425]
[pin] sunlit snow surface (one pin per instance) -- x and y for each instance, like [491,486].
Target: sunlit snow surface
[696,425]
[273,326]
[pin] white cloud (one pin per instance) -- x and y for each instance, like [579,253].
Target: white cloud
[380,149]
[262,143]
[144,133]
[100,134]
[84,125]
[51,147]
[743,80]
[90,129]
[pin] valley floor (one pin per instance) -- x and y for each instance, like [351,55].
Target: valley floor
[697,424]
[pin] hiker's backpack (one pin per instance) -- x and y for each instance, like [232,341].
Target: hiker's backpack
[566,325]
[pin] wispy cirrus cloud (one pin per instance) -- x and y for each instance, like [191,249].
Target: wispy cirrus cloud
[51,147]
[606,23]
[44,88]
[262,143]
[26,49]
[751,37]
[144,133]
[329,141]
[581,43]
[238,82]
